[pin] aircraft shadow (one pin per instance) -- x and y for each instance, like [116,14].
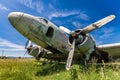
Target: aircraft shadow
[56,67]
[50,68]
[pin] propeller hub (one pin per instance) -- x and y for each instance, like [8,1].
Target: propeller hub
[78,36]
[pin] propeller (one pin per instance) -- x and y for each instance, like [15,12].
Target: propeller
[85,30]
[97,24]
[25,53]
[28,44]
[70,56]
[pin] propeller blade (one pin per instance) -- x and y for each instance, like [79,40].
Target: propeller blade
[70,56]
[25,53]
[28,43]
[98,24]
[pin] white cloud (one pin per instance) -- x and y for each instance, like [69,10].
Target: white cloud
[99,42]
[50,11]
[77,24]
[35,5]
[51,7]
[55,13]
[107,32]
[62,14]
[3,8]
[105,36]
[9,46]
[12,49]
[83,16]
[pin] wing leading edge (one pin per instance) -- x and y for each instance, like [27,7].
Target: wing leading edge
[112,49]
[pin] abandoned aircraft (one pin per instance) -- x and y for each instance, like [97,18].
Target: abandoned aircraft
[60,43]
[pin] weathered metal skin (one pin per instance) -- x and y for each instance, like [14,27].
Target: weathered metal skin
[62,42]
[35,29]
[87,46]
[47,35]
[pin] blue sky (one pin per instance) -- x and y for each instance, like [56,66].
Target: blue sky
[69,13]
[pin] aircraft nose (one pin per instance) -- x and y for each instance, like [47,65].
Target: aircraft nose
[14,17]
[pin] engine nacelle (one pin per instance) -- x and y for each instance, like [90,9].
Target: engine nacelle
[87,46]
[84,43]
[65,29]
[37,52]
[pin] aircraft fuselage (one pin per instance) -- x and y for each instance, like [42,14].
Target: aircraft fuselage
[47,35]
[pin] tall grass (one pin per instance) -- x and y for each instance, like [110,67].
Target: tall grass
[29,69]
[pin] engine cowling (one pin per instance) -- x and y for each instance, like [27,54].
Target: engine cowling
[37,52]
[84,42]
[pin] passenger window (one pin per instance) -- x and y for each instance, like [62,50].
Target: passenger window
[50,32]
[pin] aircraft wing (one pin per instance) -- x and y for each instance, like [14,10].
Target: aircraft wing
[112,49]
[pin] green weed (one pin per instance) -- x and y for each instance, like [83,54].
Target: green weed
[29,69]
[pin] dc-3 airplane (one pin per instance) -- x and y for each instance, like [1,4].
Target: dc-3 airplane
[60,43]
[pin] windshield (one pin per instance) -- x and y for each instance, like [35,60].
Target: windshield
[44,20]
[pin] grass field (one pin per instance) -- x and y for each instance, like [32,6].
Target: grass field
[29,69]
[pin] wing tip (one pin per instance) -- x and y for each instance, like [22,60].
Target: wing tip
[112,16]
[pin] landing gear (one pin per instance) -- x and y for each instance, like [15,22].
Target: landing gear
[84,60]
[44,62]
[99,56]
[39,55]
[94,57]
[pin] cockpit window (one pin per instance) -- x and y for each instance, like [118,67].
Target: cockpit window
[44,20]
